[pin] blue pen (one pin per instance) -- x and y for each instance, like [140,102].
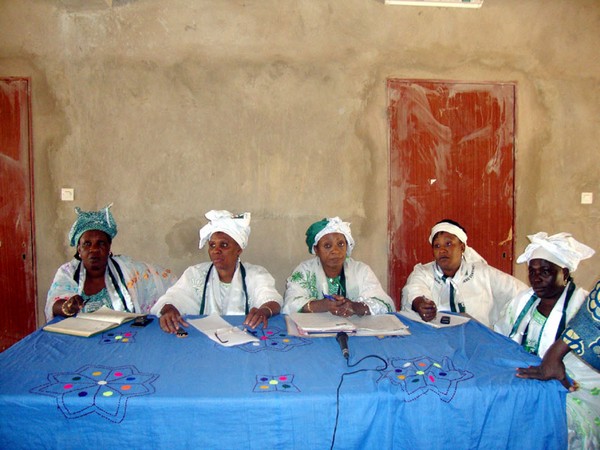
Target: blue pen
[329,297]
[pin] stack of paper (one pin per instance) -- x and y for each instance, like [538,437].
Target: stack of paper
[321,323]
[327,324]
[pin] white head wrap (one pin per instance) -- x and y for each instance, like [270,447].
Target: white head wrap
[469,254]
[336,225]
[238,227]
[561,249]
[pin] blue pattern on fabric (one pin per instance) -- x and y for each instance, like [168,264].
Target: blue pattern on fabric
[272,339]
[419,376]
[97,389]
[115,337]
[275,383]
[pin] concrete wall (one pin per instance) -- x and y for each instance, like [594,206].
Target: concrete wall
[171,108]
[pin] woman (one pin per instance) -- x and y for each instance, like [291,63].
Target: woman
[96,278]
[224,285]
[458,280]
[538,317]
[582,336]
[332,281]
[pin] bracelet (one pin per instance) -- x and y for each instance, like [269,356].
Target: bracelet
[308,306]
[64,311]
[270,310]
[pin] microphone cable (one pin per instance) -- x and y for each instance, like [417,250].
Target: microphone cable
[337,400]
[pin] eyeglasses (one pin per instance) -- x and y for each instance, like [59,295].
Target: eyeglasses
[222,333]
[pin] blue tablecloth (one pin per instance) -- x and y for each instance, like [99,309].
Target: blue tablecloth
[142,388]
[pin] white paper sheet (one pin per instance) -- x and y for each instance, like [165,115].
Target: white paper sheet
[221,331]
[453,319]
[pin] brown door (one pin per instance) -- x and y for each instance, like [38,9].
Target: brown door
[17,258]
[451,157]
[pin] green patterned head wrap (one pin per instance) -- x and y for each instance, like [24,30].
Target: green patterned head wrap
[92,220]
[312,232]
[325,226]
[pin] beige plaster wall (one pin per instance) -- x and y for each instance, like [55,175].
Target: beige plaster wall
[171,108]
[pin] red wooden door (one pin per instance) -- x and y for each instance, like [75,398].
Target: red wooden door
[17,257]
[451,157]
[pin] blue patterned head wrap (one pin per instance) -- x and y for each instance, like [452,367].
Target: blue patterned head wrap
[92,220]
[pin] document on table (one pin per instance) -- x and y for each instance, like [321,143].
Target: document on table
[221,331]
[326,324]
[89,324]
[441,320]
[379,325]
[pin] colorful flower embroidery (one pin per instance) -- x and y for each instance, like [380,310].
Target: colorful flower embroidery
[97,389]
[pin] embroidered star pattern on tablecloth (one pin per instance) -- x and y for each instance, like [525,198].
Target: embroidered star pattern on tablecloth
[115,337]
[273,339]
[97,389]
[421,375]
[275,383]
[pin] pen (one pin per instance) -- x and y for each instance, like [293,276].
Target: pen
[327,296]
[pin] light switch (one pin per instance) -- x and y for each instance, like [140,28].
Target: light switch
[67,194]
[587,198]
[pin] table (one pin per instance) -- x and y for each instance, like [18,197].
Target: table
[140,387]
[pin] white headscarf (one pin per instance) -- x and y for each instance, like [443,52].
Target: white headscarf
[469,254]
[336,225]
[238,227]
[561,249]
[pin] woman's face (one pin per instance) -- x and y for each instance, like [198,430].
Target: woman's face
[447,252]
[331,250]
[94,250]
[223,251]
[547,279]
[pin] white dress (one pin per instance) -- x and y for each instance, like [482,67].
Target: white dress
[482,289]
[308,282]
[219,298]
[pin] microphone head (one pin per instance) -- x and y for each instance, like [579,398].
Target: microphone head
[342,338]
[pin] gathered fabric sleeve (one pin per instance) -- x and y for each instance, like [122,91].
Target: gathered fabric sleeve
[261,286]
[504,288]
[583,332]
[301,286]
[63,287]
[364,286]
[186,293]
[145,282]
[419,283]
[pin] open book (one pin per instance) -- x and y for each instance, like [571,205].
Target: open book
[327,324]
[88,324]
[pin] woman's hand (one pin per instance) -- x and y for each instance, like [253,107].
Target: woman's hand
[425,308]
[68,307]
[345,307]
[170,319]
[256,316]
[552,367]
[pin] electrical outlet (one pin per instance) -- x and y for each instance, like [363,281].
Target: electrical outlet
[67,194]
[587,198]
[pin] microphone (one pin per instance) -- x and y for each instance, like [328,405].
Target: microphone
[342,339]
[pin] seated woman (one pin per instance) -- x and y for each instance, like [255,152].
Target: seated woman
[582,336]
[96,277]
[458,280]
[538,317]
[224,285]
[351,287]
